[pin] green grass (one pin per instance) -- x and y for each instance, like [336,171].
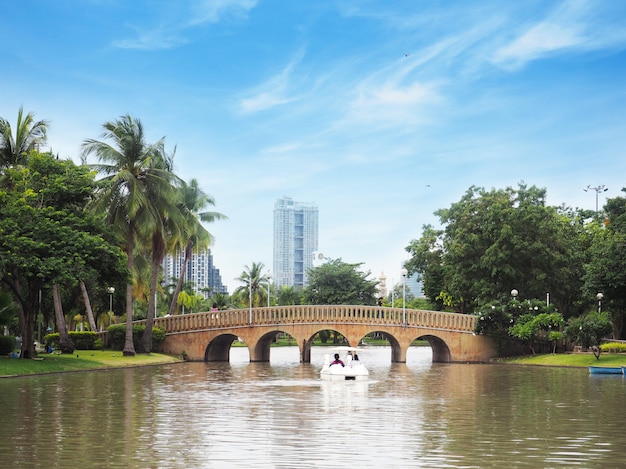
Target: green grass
[78,361]
[569,359]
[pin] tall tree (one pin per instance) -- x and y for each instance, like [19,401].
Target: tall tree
[192,203]
[29,135]
[169,224]
[46,238]
[133,172]
[606,270]
[338,283]
[497,240]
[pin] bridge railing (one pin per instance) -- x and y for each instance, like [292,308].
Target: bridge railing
[316,314]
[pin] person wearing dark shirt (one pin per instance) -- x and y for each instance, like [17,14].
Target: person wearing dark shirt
[336,361]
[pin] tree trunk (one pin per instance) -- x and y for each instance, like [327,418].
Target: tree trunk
[90,318]
[26,314]
[146,339]
[129,346]
[65,343]
[181,279]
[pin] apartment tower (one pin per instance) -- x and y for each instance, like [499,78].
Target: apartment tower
[295,239]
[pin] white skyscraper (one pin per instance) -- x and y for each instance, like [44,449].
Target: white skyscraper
[200,271]
[295,239]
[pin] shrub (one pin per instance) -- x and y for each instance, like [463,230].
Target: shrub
[613,347]
[82,340]
[7,344]
[117,336]
[98,344]
[52,339]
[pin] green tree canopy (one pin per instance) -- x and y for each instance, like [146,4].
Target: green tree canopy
[338,283]
[606,270]
[46,237]
[497,240]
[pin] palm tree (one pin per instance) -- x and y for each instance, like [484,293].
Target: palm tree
[133,173]
[169,225]
[253,280]
[28,136]
[194,236]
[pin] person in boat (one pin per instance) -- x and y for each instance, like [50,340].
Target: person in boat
[337,361]
[355,358]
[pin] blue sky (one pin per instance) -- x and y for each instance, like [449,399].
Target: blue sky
[381,112]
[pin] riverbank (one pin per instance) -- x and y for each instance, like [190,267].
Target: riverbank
[568,359]
[81,360]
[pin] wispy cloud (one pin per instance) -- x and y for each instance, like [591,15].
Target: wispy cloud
[537,42]
[168,30]
[576,25]
[275,91]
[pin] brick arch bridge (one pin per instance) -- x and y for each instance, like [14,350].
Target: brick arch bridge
[209,336]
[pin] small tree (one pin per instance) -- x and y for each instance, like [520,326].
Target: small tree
[530,327]
[589,330]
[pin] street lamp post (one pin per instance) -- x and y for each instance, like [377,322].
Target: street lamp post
[268,276]
[111,290]
[514,294]
[250,291]
[404,273]
[599,296]
[597,189]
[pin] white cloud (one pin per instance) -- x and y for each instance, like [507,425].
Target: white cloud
[577,25]
[169,29]
[275,91]
[537,42]
[211,11]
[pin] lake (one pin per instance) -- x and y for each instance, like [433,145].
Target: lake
[281,415]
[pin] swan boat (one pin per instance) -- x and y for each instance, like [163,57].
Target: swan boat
[352,369]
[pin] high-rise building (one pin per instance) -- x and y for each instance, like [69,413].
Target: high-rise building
[295,239]
[200,271]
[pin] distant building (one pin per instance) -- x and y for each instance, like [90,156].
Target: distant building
[200,271]
[415,286]
[295,240]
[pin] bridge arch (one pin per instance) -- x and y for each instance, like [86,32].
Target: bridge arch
[441,351]
[218,349]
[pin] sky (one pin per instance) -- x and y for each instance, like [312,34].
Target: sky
[381,112]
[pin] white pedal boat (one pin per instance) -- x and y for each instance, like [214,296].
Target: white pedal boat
[352,369]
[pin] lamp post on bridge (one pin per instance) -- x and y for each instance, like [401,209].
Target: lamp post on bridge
[250,291]
[404,273]
[268,276]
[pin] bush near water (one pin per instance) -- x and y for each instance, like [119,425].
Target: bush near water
[7,344]
[117,337]
[89,340]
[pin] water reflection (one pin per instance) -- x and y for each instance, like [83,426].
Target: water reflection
[280,414]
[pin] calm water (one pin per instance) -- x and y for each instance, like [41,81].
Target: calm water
[280,415]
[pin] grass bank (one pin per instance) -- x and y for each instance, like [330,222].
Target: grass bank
[569,359]
[81,360]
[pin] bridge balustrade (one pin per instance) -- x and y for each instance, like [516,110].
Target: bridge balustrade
[316,314]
